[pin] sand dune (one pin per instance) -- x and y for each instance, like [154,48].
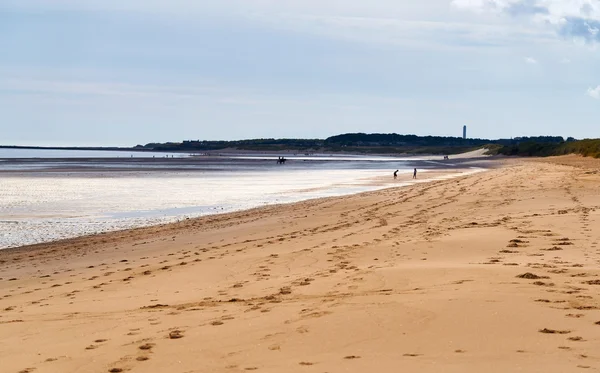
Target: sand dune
[496,272]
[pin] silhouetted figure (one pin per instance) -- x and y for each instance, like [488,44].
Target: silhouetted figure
[415,174]
[396,174]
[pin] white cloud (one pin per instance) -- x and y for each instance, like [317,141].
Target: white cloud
[414,23]
[70,87]
[565,61]
[449,33]
[347,7]
[594,92]
[531,60]
[70,91]
[575,19]
[552,10]
[390,8]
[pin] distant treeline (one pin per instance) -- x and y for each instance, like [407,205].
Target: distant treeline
[393,139]
[587,148]
[378,143]
[255,144]
[354,142]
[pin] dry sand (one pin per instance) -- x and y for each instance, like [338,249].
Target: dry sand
[417,279]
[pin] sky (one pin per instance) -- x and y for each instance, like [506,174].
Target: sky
[127,72]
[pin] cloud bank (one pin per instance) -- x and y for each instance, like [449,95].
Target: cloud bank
[531,60]
[573,19]
[594,92]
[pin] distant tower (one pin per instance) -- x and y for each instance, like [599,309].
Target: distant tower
[464,132]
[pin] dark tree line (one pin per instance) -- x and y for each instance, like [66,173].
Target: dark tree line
[353,140]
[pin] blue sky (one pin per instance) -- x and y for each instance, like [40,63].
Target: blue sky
[127,72]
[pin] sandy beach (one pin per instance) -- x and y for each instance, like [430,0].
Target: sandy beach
[491,272]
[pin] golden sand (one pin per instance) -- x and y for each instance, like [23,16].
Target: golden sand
[493,272]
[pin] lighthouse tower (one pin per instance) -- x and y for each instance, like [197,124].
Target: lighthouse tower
[464,132]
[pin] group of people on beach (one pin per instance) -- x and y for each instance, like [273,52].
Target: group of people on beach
[414,174]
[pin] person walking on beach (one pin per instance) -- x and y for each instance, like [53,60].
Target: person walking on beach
[415,174]
[395,174]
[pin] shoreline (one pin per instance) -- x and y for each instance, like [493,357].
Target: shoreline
[190,158]
[218,152]
[430,177]
[496,271]
[178,164]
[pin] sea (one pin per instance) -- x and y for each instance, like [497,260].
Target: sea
[48,195]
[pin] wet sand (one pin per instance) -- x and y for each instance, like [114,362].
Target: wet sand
[43,200]
[496,272]
[231,162]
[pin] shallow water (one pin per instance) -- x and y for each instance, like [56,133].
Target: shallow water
[42,201]
[59,153]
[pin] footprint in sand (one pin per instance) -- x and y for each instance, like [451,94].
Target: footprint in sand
[553,248]
[302,329]
[531,276]
[176,334]
[554,331]
[146,346]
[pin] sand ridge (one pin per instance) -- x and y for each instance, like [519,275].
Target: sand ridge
[496,271]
